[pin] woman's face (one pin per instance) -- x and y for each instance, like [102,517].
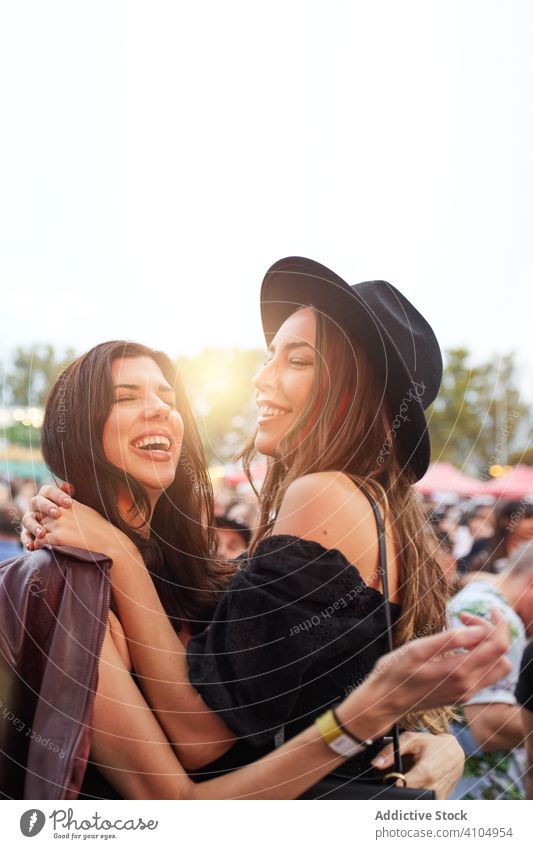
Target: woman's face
[523,531]
[283,384]
[144,431]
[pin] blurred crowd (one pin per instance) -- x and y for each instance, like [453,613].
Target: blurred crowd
[236,518]
[479,535]
[485,549]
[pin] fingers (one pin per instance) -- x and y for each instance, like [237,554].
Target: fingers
[466,673]
[440,674]
[496,616]
[409,744]
[68,489]
[496,622]
[33,529]
[45,506]
[494,637]
[472,619]
[385,756]
[37,531]
[422,776]
[50,497]
[489,674]
[427,648]
[35,544]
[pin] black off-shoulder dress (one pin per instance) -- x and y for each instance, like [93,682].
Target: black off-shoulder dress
[296,631]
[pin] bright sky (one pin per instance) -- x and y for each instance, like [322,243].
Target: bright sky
[158,157]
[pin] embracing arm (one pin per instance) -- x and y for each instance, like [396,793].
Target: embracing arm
[159,658]
[144,766]
[199,734]
[158,655]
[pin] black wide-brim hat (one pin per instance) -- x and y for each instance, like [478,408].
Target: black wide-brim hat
[399,341]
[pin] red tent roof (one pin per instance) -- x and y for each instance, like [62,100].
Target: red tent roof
[518,483]
[444,477]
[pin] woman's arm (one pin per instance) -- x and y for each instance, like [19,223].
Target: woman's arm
[421,674]
[198,734]
[159,658]
[131,750]
[158,655]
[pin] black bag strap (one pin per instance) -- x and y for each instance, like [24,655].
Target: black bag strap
[398,767]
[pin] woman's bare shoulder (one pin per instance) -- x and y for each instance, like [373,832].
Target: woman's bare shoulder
[324,507]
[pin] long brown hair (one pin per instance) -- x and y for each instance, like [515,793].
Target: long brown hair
[346,426]
[180,546]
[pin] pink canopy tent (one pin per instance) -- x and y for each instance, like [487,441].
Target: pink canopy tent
[235,476]
[517,484]
[444,477]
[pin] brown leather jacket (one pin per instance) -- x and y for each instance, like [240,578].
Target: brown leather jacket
[54,605]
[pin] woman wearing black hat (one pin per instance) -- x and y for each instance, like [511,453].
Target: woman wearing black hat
[341,400]
[342,395]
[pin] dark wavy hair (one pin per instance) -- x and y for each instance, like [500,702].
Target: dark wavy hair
[179,549]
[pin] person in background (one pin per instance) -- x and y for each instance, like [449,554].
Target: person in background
[10,519]
[5,492]
[245,510]
[476,524]
[225,495]
[491,731]
[446,560]
[23,490]
[513,526]
[440,520]
[232,536]
[524,697]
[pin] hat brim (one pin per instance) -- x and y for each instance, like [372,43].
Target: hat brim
[294,282]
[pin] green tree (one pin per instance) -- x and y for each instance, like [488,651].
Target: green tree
[19,434]
[32,374]
[478,418]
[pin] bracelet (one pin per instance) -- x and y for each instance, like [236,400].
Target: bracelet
[348,733]
[337,738]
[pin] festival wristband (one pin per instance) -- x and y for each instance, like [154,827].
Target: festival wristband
[339,739]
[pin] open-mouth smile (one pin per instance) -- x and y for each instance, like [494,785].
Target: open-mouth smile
[155,446]
[268,411]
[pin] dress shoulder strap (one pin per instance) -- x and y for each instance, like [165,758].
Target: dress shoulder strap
[386,602]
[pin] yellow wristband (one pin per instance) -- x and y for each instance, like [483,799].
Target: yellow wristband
[328,726]
[337,739]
